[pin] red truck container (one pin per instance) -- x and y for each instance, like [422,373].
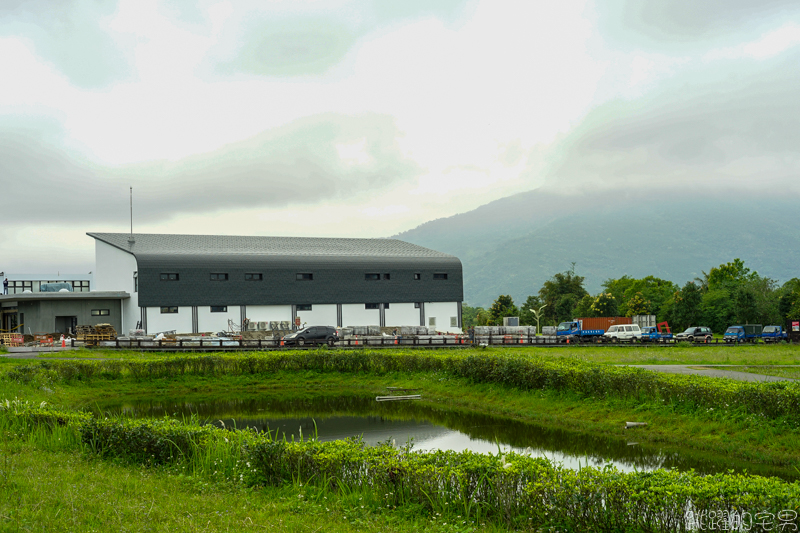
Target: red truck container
[603,322]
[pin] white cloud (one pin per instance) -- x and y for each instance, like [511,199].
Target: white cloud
[768,45]
[470,111]
[354,153]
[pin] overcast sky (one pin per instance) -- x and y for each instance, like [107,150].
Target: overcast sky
[366,118]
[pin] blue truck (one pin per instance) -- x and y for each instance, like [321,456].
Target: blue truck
[773,334]
[652,334]
[744,333]
[574,331]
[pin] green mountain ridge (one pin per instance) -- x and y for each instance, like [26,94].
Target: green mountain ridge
[511,246]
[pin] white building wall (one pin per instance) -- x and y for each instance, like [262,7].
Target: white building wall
[114,272]
[442,311]
[320,315]
[401,315]
[357,315]
[181,321]
[266,313]
[208,322]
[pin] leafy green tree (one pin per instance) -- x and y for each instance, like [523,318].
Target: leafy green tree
[738,295]
[789,300]
[746,306]
[686,309]
[717,310]
[618,287]
[605,305]
[729,275]
[502,307]
[532,312]
[470,315]
[561,294]
[637,305]
[794,311]
[526,316]
[767,295]
[584,307]
[654,290]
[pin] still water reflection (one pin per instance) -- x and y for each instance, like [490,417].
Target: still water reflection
[427,427]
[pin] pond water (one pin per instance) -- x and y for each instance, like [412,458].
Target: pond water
[427,427]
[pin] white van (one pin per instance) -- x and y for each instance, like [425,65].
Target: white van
[626,332]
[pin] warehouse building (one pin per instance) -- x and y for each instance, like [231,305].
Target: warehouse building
[60,312]
[204,283]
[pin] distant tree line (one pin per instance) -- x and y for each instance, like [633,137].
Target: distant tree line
[728,294]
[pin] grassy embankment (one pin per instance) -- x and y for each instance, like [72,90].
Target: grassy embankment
[640,354]
[730,431]
[683,425]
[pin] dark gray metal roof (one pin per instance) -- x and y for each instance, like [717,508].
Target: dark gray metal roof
[263,247]
[338,266]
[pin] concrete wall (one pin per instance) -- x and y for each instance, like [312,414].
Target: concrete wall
[216,322]
[402,315]
[180,322]
[265,313]
[114,270]
[320,315]
[40,316]
[357,315]
[443,312]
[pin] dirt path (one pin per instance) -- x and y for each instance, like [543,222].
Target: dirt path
[712,371]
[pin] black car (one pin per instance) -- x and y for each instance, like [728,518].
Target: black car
[695,333]
[312,335]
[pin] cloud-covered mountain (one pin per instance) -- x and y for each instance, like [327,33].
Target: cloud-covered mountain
[511,246]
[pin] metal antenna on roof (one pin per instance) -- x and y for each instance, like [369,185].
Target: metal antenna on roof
[131,240]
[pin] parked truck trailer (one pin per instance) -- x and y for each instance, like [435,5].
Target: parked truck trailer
[743,333]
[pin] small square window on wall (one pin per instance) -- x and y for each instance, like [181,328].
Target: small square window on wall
[219,277]
[305,276]
[417,276]
[370,306]
[169,310]
[219,308]
[372,277]
[440,276]
[253,277]
[303,307]
[169,276]
[386,276]
[101,312]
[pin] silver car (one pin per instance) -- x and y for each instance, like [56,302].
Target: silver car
[695,334]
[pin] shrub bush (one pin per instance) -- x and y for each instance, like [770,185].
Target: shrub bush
[511,488]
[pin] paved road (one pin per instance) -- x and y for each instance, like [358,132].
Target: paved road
[713,371]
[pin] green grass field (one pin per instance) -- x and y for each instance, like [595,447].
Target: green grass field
[58,491]
[47,488]
[758,354]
